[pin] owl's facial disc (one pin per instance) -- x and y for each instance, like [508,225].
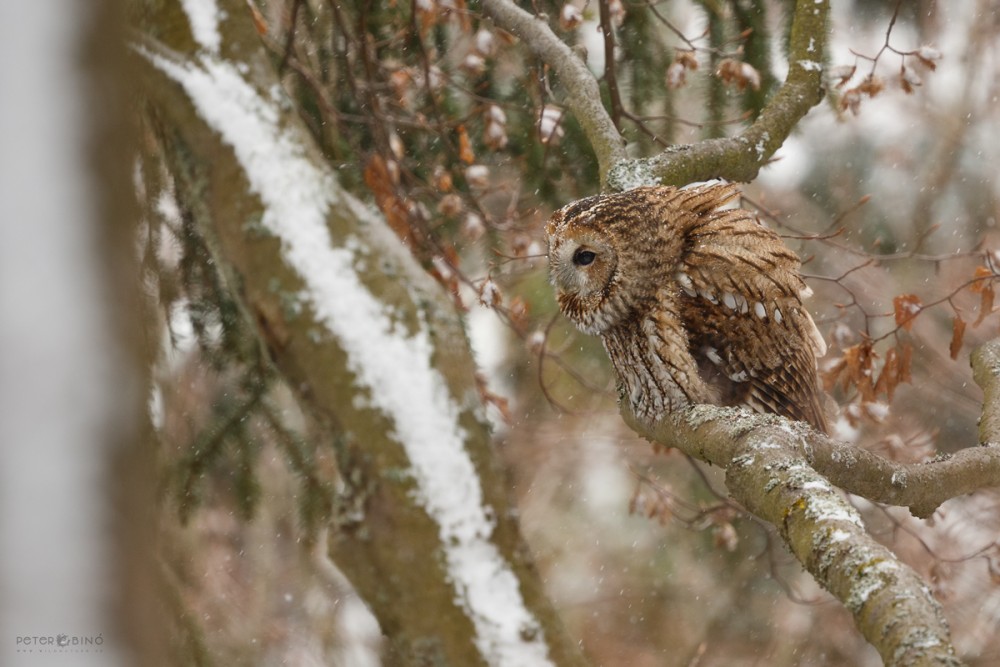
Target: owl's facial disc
[582,269]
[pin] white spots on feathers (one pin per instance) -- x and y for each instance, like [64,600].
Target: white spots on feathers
[713,355]
[684,280]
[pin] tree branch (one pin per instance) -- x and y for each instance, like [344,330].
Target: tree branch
[610,76]
[370,345]
[767,461]
[785,473]
[740,158]
[584,95]
[985,362]
[737,158]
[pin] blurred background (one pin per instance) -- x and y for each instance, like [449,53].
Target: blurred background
[123,338]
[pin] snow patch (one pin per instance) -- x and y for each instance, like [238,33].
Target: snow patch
[631,174]
[761,146]
[203,15]
[816,485]
[839,535]
[829,507]
[396,369]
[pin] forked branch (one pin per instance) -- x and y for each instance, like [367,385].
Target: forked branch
[737,158]
[740,158]
[769,470]
[786,473]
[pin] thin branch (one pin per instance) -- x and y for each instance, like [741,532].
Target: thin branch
[672,28]
[610,78]
[584,95]
[290,38]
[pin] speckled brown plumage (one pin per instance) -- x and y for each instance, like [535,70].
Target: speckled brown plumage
[694,304]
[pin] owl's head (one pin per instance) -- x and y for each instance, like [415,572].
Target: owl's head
[595,261]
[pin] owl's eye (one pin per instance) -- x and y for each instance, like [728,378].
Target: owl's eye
[583,257]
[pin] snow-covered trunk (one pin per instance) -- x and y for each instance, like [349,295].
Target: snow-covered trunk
[370,343]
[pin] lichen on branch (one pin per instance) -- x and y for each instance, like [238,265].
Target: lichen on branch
[769,470]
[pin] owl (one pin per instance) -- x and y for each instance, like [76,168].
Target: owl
[694,304]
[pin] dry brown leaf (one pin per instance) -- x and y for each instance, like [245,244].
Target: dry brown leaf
[379,181]
[905,363]
[986,296]
[906,307]
[519,312]
[957,335]
[490,398]
[860,360]
[465,146]
[889,377]
[258,20]
[832,374]
[871,86]
[980,277]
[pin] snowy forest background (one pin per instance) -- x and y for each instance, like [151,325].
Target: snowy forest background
[162,417]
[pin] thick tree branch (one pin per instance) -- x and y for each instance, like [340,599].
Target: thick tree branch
[786,473]
[767,462]
[921,487]
[584,95]
[369,343]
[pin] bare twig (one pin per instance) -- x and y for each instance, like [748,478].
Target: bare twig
[610,78]
[290,38]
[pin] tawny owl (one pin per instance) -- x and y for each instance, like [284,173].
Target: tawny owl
[694,304]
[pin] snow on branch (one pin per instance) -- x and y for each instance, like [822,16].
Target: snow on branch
[391,365]
[203,16]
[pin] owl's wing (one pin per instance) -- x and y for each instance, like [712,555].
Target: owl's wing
[741,303]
